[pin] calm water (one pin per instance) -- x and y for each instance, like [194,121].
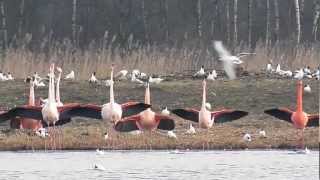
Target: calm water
[160,165]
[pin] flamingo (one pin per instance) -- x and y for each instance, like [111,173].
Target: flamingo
[110,111]
[207,118]
[146,120]
[50,113]
[298,118]
[27,123]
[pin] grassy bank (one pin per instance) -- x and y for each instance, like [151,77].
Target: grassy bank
[249,94]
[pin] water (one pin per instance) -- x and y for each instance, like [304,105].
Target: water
[160,165]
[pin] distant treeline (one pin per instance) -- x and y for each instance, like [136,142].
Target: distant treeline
[159,21]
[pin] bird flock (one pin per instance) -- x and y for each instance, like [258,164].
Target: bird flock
[136,117]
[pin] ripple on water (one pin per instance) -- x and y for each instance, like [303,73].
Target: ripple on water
[160,165]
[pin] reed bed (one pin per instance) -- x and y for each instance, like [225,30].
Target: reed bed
[26,58]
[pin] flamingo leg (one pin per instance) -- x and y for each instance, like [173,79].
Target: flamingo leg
[54,136]
[302,139]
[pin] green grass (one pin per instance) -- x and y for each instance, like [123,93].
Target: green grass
[249,94]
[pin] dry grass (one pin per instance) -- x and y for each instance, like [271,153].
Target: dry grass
[155,59]
[250,94]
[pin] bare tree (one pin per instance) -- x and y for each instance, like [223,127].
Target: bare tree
[298,25]
[165,9]
[199,22]
[144,20]
[21,14]
[74,22]
[235,22]
[277,20]
[268,23]
[214,17]
[250,23]
[316,19]
[3,25]
[228,20]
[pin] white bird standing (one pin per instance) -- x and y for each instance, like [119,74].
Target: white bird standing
[122,75]
[269,68]
[307,88]
[93,78]
[9,76]
[155,80]
[99,152]
[247,137]
[70,76]
[212,75]
[262,133]
[228,60]
[99,167]
[200,73]
[299,74]
[165,111]
[172,135]
[135,79]
[191,130]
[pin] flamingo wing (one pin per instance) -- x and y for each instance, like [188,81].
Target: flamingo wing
[280,113]
[189,114]
[72,110]
[313,120]
[165,122]
[32,112]
[227,115]
[133,108]
[126,125]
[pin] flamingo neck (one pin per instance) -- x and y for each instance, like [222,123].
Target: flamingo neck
[299,96]
[51,98]
[147,95]
[31,94]
[204,95]
[58,88]
[111,87]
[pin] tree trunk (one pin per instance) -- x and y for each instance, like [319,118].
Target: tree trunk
[3,25]
[235,23]
[144,20]
[277,20]
[199,23]
[316,19]
[268,24]
[214,17]
[298,25]
[228,21]
[165,10]
[74,22]
[21,19]
[250,23]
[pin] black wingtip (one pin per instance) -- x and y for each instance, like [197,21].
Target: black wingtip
[126,126]
[166,124]
[185,114]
